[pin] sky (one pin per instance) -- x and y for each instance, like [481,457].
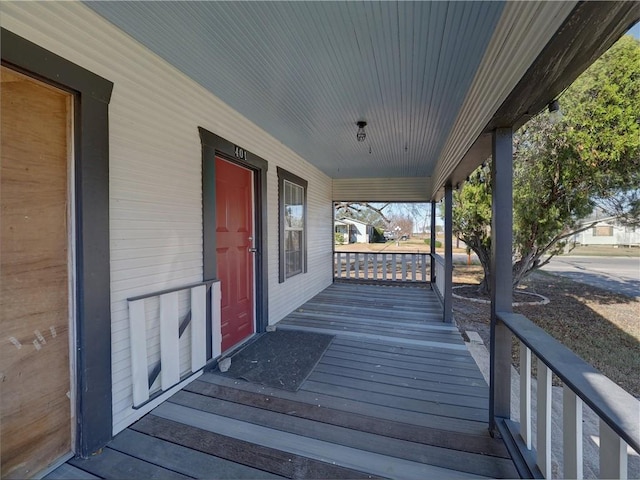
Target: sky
[635,30]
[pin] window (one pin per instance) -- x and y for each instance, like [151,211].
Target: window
[292,196]
[603,231]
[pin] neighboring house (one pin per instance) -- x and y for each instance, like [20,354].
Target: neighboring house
[354,230]
[169,168]
[607,231]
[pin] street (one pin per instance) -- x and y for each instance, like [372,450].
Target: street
[617,274]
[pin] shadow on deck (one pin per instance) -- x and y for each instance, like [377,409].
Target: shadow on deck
[396,395]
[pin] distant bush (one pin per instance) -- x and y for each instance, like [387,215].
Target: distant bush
[339,237]
[428,242]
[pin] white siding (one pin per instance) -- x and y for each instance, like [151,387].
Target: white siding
[155,172]
[285,297]
[623,236]
[406,189]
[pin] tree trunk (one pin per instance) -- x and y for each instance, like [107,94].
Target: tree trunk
[485,285]
[484,255]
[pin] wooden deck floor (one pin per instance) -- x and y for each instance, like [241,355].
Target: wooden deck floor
[396,395]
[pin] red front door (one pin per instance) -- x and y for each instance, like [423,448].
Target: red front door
[234,238]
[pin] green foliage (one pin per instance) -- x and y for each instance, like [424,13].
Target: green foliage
[378,235]
[561,170]
[339,238]
[428,242]
[603,125]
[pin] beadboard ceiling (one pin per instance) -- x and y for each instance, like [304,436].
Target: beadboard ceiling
[306,72]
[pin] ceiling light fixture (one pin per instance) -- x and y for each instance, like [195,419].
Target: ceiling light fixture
[361,135]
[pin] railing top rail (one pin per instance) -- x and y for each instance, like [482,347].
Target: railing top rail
[382,252]
[618,408]
[171,290]
[438,258]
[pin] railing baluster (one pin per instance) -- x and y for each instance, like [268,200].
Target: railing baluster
[366,266]
[216,320]
[400,267]
[572,433]
[375,266]
[543,443]
[525,394]
[384,266]
[616,409]
[138,339]
[198,327]
[169,340]
[357,265]
[394,266]
[404,266]
[171,327]
[413,266]
[613,454]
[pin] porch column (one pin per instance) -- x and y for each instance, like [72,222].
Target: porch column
[433,242]
[448,254]
[501,278]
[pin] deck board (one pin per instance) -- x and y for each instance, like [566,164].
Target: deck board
[425,367]
[69,472]
[394,380]
[247,453]
[396,395]
[113,464]
[338,435]
[181,459]
[307,447]
[355,421]
[424,419]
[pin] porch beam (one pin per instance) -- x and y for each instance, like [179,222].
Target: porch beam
[501,278]
[432,262]
[448,254]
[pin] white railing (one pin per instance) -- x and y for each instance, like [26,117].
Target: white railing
[438,262]
[617,410]
[171,326]
[394,267]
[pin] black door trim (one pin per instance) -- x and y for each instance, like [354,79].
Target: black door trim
[94,416]
[212,146]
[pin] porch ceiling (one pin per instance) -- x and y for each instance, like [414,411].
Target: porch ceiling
[428,77]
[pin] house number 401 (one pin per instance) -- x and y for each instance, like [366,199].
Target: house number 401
[241,153]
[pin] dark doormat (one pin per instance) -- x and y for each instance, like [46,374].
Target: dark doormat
[281,359]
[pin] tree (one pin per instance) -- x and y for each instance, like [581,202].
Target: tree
[386,216]
[563,169]
[370,213]
[405,222]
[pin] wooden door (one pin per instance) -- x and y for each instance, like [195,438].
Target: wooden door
[35,388]
[234,239]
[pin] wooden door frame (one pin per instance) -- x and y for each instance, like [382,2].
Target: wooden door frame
[92,93]
[212,146]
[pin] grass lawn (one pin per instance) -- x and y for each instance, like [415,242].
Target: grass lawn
[413,245]
[599,326]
